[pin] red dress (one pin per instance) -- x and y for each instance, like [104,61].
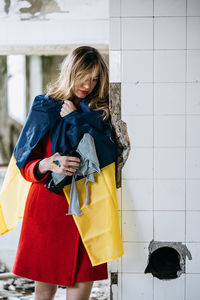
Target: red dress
[50,248]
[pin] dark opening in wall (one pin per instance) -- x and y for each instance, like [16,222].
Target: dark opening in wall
[167,259]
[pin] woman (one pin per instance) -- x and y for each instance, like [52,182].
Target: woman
[50,249]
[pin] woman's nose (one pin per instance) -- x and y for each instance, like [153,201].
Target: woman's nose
[86,84]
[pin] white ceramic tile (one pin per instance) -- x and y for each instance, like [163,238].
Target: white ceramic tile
[140,130]
[115,66]
[192,194]
[137,98]
[170,8]
[137,8]
[137,33]
[169,289]
[135,257]
[169,226]
[170,33]
[169,163]
[169,65]
[137,194]
[119,198]
[193,65]
[169,98]
[192,286]
[193,163]
[114,8]
[169,194]
[193,38]
[137,286]
[115,37]
[137,226]
[192,226]
[193,265]
[169,131]
[193,7]
[115,265]
[193,98]
[139,164]
[137,66]
[192,131]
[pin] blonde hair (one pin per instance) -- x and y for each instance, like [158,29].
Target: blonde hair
[81,61]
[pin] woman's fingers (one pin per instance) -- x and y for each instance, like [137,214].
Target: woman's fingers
[67,107]
[63,164]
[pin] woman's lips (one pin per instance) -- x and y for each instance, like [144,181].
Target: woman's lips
[84,92]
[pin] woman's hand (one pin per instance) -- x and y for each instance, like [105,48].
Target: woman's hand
[59,164]
[67,107]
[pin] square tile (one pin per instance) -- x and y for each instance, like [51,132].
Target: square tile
[193,65]
[169,98]
[114,8]
[140,130]
[193,163]
[193,39]
[115,66]
[170,33]
[137,8]
[169,226]
[169,194]
[169,65]
[169,131]
[192,194]
[119,198]
[139,164]
[137,226]
[115,36]
[115,265]
[192,286]
[170,8]
[169,289]
[193,98]
[137,194]
[192,131]
[137,286]
[192,226]
[135,257]
[193,265]
[132,38]
[137,98]
[169,163]
[193,8]
[137,66]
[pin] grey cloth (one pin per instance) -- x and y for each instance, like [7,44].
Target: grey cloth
[88,166]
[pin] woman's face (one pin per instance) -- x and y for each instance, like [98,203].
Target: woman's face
[85,87]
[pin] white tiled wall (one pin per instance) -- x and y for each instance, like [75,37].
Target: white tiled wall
[155,54]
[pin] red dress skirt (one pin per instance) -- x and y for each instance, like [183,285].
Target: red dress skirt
[50,248]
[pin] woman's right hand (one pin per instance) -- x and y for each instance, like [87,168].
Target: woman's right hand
[59,164]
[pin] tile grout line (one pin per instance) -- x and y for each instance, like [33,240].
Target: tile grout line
[185,142]
[153,110]
[120,33]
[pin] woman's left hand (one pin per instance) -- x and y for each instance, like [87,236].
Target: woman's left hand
[67,107]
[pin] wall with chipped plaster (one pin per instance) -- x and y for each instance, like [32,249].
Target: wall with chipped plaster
[27,24]
[155,55]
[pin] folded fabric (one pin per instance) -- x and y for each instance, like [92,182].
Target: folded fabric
[89,165]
